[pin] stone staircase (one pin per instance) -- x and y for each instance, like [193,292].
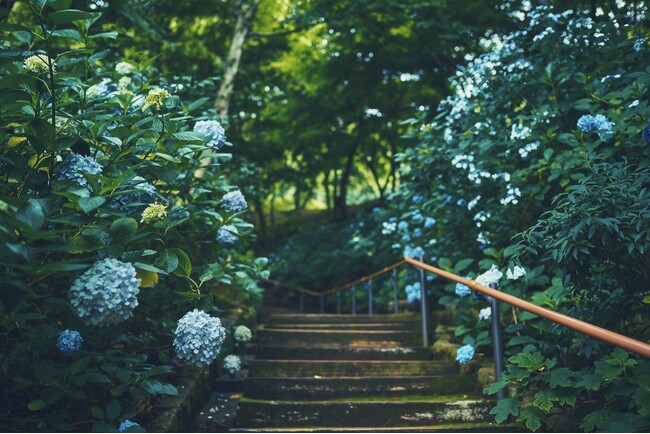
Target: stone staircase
[355,373]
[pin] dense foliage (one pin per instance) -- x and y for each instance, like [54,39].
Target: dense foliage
[108,237]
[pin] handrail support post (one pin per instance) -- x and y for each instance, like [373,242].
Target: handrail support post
[322,303]
[338,302]
[354,299]
[395,295]
[424,302]
[370,297]
[497,343]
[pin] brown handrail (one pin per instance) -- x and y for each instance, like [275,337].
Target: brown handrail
[568,321]
[605,335]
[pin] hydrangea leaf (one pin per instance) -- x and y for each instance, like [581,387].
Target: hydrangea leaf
[505,408]
[184,268]
[122,230]
[147,278]
[87,204]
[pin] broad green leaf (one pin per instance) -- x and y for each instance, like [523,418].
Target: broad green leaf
[113,409]
[559,377]
[544,399]
[532,417]
[167,261]
[40,134]
[85,243]
[37,404]
[528,361]
[88,204]
[31,214]
[147,278]
[184,268]
[505,408]
[123,230]
[70,15]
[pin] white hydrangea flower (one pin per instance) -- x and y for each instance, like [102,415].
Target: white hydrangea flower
[242,333]
[485,313]
[516,273]
[232,364]
[490,277]
[39,63]
[124,68]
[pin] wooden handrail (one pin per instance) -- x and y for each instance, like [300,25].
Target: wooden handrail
[605,335]
[613,338]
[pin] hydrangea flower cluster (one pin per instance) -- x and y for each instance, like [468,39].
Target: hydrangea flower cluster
[69,341]
[227,234]
[74,166]
[234,201]
[154,213]
[485,313]
[232,364]
[242,333]
[414,252]
[598,123]
[464,354]
[106,293]
[124,68]
[39,63]
[516,273]
[413,292]
[156,97]
[126,424]
[100,89]
[213,131]
[146,194]
[490,277]
[462,290]
[198,338]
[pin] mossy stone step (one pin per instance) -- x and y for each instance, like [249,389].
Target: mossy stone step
[397,325]
[444,428]
[324,318]
[271,414]
[310,388]
[349,368]
[270,336]
[342,352]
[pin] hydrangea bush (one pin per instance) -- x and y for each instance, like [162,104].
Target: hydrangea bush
[104,227]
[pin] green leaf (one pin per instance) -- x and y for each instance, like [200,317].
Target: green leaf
[211,271]
[590,382]
[85,243]
[70,15]
[528,361]
[168,261]
[443,263]
[495,387]
[532,416]
[559,377]
[184,268]
[189,136]
[113,409]
[40,134]
[123,230]
[97,412]
[505,408]
[608,372]
[544,399]
[31,214]
[105,35]
[462,265]
[79,365]
[37,404]
[87,204]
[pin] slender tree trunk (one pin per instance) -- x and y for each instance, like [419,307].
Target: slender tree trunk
[340,202]
[245,14]
[326,186]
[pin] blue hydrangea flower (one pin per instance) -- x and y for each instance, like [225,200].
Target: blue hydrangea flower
[234,201]
[403,226]
[464,354]
[227,234]
[413,292]
[406,238]
[396,246]
[462,290]
[392,219]
[198,338]
[145,195]
[417,233]
[69,341]
[599,123]
[417,216]
[74,166]
[213,131]
[418,198]
[232,364]
[639,44]
[429,222]
[106,293]
[126,424]
[413,252]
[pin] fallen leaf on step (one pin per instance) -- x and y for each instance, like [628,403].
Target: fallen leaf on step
[317,376]
[397,389]
[236,396]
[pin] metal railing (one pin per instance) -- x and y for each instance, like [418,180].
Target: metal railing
[491,295]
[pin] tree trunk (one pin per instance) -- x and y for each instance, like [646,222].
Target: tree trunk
[326,186]
[340,201]
[261,220]
[245,14]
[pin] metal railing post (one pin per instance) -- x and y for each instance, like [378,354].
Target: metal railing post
[302,303]
[354,300]
[322,303]
[338,302]
[395,298]
[497,343]
[370,297]
[425,309]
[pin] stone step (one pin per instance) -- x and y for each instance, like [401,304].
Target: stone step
[309,388]
[342,352]
[320,318]
[277,336]
[444,428]
[286,414]
[349,368]
[393,325]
